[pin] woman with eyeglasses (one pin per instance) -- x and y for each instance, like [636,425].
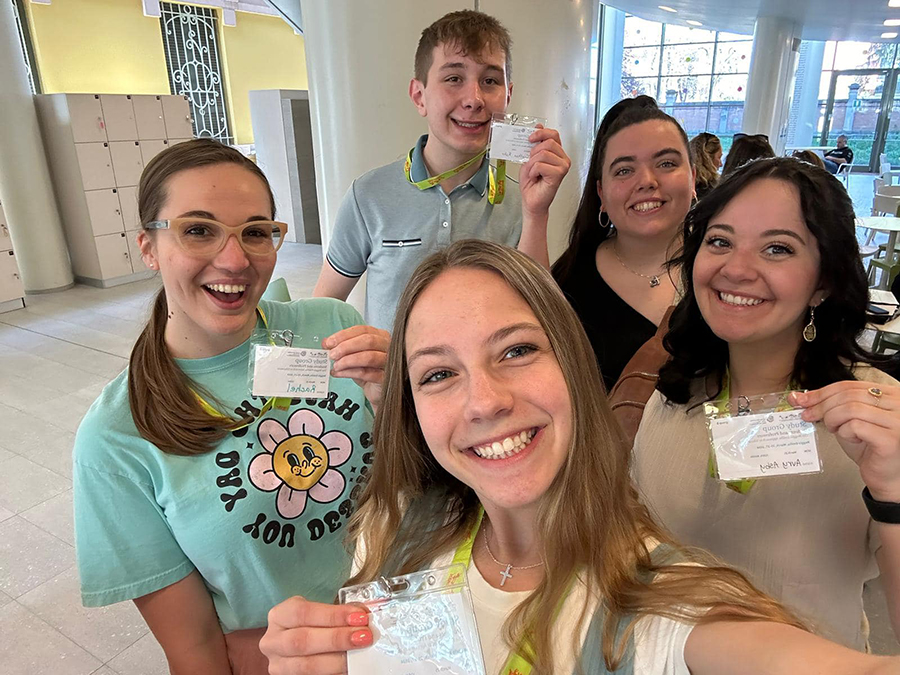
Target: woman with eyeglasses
[745,148]
[202,503]
[774,303]
[639,188]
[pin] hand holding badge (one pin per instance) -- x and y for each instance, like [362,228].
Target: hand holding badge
[281,371]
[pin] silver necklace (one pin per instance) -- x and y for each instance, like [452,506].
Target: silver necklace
[506,573]
[654,278]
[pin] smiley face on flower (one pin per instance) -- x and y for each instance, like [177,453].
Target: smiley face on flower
[299,461]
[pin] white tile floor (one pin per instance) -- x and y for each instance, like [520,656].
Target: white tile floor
[55,357]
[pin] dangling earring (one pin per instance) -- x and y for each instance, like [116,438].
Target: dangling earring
[809,331]
[605,222]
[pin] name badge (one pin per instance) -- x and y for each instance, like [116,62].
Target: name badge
[290,372]
[509,136]
[764,444]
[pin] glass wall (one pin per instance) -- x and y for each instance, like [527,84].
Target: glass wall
[698,76]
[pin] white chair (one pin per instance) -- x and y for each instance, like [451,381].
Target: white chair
[843,174]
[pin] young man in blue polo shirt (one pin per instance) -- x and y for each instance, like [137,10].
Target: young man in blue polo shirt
[393,217]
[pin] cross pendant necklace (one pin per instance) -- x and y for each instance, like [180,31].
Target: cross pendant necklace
[506,574]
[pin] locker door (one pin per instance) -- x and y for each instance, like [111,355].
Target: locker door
[5,239]
[150,149]
[112,250]
[118,113]
[177,113]
[137,263]
[106,214]
[129,207]
[96,165]
[127,162]
[10,281]
[86,117]
[148,115]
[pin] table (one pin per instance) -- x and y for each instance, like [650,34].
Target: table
[820,150]
[890,225]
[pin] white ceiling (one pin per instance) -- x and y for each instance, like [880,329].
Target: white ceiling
[860,20]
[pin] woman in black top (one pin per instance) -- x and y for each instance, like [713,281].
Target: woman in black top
[639,188]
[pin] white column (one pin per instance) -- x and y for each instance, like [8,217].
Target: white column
[360,59]
[776,41]
[25,188]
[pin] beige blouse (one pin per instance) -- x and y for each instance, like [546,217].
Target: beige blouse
[806,540]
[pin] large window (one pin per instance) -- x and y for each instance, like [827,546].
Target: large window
[27,51]
[698,76]
[190,36]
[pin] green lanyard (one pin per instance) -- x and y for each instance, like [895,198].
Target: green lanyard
[740,486]
[497,185]
[516,663]
[280,403]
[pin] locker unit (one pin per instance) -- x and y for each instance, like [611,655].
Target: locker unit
[97,146]
[12,292]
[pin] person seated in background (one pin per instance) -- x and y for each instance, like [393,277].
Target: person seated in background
[707,151]
[444,190]
[842,154]
[744,148]
[809,157]
[497,450]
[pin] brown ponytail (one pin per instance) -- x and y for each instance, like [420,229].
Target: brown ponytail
[162,398]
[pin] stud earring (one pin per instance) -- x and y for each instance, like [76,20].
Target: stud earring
[809,331]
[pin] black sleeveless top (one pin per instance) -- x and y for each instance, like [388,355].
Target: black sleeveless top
[616,330]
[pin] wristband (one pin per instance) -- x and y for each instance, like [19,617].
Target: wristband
[881,512]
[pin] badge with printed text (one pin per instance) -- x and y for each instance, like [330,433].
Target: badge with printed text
[289,372]
[509,136]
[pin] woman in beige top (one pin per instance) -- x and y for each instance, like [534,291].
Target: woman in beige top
[775,300]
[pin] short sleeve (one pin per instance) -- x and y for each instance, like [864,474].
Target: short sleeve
[123,544]
[849,156]
[659,646]
[351,243]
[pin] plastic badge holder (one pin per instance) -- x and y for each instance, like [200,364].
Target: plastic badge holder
[760,436]
[277,368]
[422,624]
[509,136]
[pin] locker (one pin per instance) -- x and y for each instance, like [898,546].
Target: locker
[10,280]
[118,115]
[106,214]
[150,149]
[148,115]
[96,165]
[128,204]
[112,251]
[177,114]
[127,162]
[86,117]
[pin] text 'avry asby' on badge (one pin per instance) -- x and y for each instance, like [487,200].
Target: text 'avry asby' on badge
[290,372]
[764,444]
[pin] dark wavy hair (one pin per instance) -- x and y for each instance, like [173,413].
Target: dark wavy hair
[746,149]
[586,234]
[696,352]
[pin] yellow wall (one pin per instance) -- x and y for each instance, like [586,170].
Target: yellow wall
[260,52]
[98,46]
[110,47]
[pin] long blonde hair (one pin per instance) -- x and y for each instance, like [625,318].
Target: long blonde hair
[592,522]
[703,146]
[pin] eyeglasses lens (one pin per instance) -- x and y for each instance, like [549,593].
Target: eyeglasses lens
[208,238]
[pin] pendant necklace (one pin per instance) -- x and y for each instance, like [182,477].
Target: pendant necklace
[654,278]
[506,573]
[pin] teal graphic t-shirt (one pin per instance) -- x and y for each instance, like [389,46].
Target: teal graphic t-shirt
[256,531]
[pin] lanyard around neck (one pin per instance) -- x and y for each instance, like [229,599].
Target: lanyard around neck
[740,486]
[497,184]
[516,663]
[281,403]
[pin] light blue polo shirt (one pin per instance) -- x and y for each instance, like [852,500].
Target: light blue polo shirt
[386,226]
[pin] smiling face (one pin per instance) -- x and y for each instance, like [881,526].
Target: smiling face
[757,271]
[461,94]
[647,181]
[490,396]
[211,301]
[300,461]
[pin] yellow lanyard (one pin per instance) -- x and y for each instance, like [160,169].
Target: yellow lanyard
[496,184]
[741,486]
[280,403]
[516,663]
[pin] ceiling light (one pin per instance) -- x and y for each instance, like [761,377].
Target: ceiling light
[697,23]
[892,22]
[668,9]
[893,3]
[889,36]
